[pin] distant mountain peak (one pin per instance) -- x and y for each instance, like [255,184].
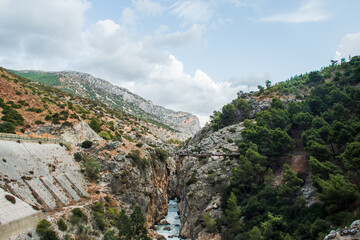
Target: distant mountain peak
[86,85]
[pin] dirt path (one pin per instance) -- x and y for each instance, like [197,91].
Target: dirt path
[299,161]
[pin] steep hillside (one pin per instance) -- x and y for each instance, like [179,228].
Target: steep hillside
[297,174]
[85,85]
[47,136]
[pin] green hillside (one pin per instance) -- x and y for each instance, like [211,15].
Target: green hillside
[44,78]
[322,119]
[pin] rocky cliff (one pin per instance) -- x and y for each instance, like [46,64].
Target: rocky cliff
[202,180]
[132,181]
[85,85]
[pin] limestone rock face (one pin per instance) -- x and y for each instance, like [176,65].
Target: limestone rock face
[202,180]
[71,134]
[209,141]
[140,184]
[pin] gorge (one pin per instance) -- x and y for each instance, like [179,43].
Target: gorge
[280,163]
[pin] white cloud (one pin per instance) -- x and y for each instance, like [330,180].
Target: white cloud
[193,11]
[49,35]
[173,88]
[250,82]
[137,64]
[178,39]
[39,33]
[148,7]
[128,16]
[241,3]
[311,11]
[350,46]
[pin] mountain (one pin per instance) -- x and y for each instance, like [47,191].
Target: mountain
[86,85]
[78,160]
[279,163]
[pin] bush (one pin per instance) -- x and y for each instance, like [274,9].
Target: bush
[106,135]
[7,127]
[67,146]
[78,216]
[135,155]
[77,156]
[86,144]
[50,235]
[95,125]
[319,226]
[62,225]
[109,235]
[162,154]
[92,167]
[209,222]
[43,226]
[11,115]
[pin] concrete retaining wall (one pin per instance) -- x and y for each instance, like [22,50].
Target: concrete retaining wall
[20,226]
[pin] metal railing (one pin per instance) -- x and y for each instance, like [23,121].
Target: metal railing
[206,154]
[15,137]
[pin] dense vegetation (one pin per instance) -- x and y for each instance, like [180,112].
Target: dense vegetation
[325,113]
[103,220]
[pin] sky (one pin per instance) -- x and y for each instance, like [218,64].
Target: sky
[191,56]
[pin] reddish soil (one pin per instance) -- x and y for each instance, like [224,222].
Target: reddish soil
[299,161]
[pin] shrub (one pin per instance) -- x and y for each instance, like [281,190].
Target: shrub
[139,145]
[209,222]
[162,154]
[109,235]
[78,216]
[105,135]
[232,130]
[7,127]
[92,167]
[77,156]
[95,125]
[86,144]
[43,226]
[135,155]
[67,146]
[11,115]
[50,235]
[62,225]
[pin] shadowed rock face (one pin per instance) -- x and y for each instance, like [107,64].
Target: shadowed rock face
[202,180]
[86,85]
[144,186]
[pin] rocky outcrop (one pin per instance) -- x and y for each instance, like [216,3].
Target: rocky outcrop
[85,85]
[208,140]
[144,182]
[70,133]
[351,232]
[202,180]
